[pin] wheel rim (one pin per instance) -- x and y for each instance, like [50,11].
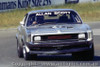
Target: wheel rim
[24,52]
[18,50]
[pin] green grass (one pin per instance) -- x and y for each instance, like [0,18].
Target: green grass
[89,12]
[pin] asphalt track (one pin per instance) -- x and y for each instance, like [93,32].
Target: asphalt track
[9,58]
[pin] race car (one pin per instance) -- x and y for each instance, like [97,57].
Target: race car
[54,31]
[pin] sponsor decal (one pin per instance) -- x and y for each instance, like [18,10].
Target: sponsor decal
[55,13]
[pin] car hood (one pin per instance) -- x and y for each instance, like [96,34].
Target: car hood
[58,29]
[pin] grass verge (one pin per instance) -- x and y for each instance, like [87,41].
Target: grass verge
[89,12]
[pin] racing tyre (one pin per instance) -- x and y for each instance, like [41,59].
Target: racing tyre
[84,55]
[28,56]
[19,50]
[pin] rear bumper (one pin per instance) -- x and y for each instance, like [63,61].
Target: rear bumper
[58,47]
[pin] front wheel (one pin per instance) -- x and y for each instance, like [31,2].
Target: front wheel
[84,55]
[19,50]
[28,56]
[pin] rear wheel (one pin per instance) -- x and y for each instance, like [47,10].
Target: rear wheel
[19,50]
[84,55]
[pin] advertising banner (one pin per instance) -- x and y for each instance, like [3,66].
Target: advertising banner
[6,5]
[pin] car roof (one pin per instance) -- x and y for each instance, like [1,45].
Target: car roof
[49,10]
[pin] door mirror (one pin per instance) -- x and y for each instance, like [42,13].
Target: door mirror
[21,23]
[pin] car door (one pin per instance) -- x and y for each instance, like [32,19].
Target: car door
[23,28]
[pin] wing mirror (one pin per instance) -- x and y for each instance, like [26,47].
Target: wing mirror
[21,23]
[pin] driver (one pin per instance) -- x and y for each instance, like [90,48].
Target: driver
[38,20]
[35,21]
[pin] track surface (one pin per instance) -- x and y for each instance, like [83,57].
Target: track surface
[9,58]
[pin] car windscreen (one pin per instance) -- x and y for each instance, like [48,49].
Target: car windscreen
[68,17]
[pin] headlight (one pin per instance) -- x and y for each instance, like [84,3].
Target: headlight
[89,34]
[37,38]
[81,36]
[28,39]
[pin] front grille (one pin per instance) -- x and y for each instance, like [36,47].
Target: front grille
[59,37]
[62,37]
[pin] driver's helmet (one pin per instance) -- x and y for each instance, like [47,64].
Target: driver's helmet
[39,19]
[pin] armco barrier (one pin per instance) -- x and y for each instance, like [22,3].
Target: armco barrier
[71,1]
[80,1]
[84,1]
[6,5]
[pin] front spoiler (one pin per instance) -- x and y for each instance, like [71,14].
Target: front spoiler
[60,51]
[86,46]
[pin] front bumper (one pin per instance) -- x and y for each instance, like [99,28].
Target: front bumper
[58,47]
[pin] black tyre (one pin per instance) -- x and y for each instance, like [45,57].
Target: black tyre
[84,55]
[19,50]
[28,56]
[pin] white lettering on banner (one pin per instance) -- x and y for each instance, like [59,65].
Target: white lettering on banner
[5,5]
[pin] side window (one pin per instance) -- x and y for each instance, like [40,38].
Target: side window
[76,18]
[31,19]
